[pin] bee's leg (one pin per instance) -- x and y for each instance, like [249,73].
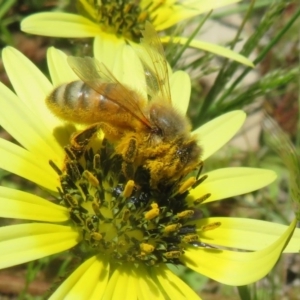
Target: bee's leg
[110,132]
[129,158]
[128,148]
[80,139]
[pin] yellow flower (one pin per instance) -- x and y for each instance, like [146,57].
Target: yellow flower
[125,254]
[115,22]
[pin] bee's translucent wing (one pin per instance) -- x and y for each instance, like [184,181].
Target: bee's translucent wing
[100,79]
[281,143]
[152,55]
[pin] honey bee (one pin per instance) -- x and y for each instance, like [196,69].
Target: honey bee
[146,132]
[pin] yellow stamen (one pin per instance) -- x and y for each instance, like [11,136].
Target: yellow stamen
[96,208]
[143,16]
[202,199]
[190,238]
[173,254]
[211,226]
[186,185]
[152,213]
[172,227]
[96,236]
[72,202]
[146,248]
[185,214]
[91,178]
[128,188]
[126,215]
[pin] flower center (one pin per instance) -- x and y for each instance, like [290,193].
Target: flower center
[127,220]
[125,18]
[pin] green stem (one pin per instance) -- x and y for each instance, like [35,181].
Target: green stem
[244,292]
[5,6]
[179,54]
[221,80]
[261,56]
[298,122]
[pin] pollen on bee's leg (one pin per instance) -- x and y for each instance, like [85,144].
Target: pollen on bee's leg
[80,139]
[128,189]
[186,185]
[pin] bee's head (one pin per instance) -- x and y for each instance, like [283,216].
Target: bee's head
[188,152]
[168,123]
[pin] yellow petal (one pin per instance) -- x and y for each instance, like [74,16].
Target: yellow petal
[66,287]
[213,48]
[216,133]
[169,14]
[247,234]
[60,25]
[19,161]
[119,286]
[106,47]
[132,283]
[174,287]
[89,8]
[237,268]
[129,70]
[59,68]
[20,205]
[206,5]
[18,119]
[10,193]
[146,286]
[180,84]
[26,242]
[229,182]
[101,284]
[30,84]
[82,282]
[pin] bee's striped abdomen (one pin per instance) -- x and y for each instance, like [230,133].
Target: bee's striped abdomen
[78,102]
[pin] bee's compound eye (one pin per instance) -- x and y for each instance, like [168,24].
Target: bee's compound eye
[157,131]
[188,152]
[168,121]
[183,155]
